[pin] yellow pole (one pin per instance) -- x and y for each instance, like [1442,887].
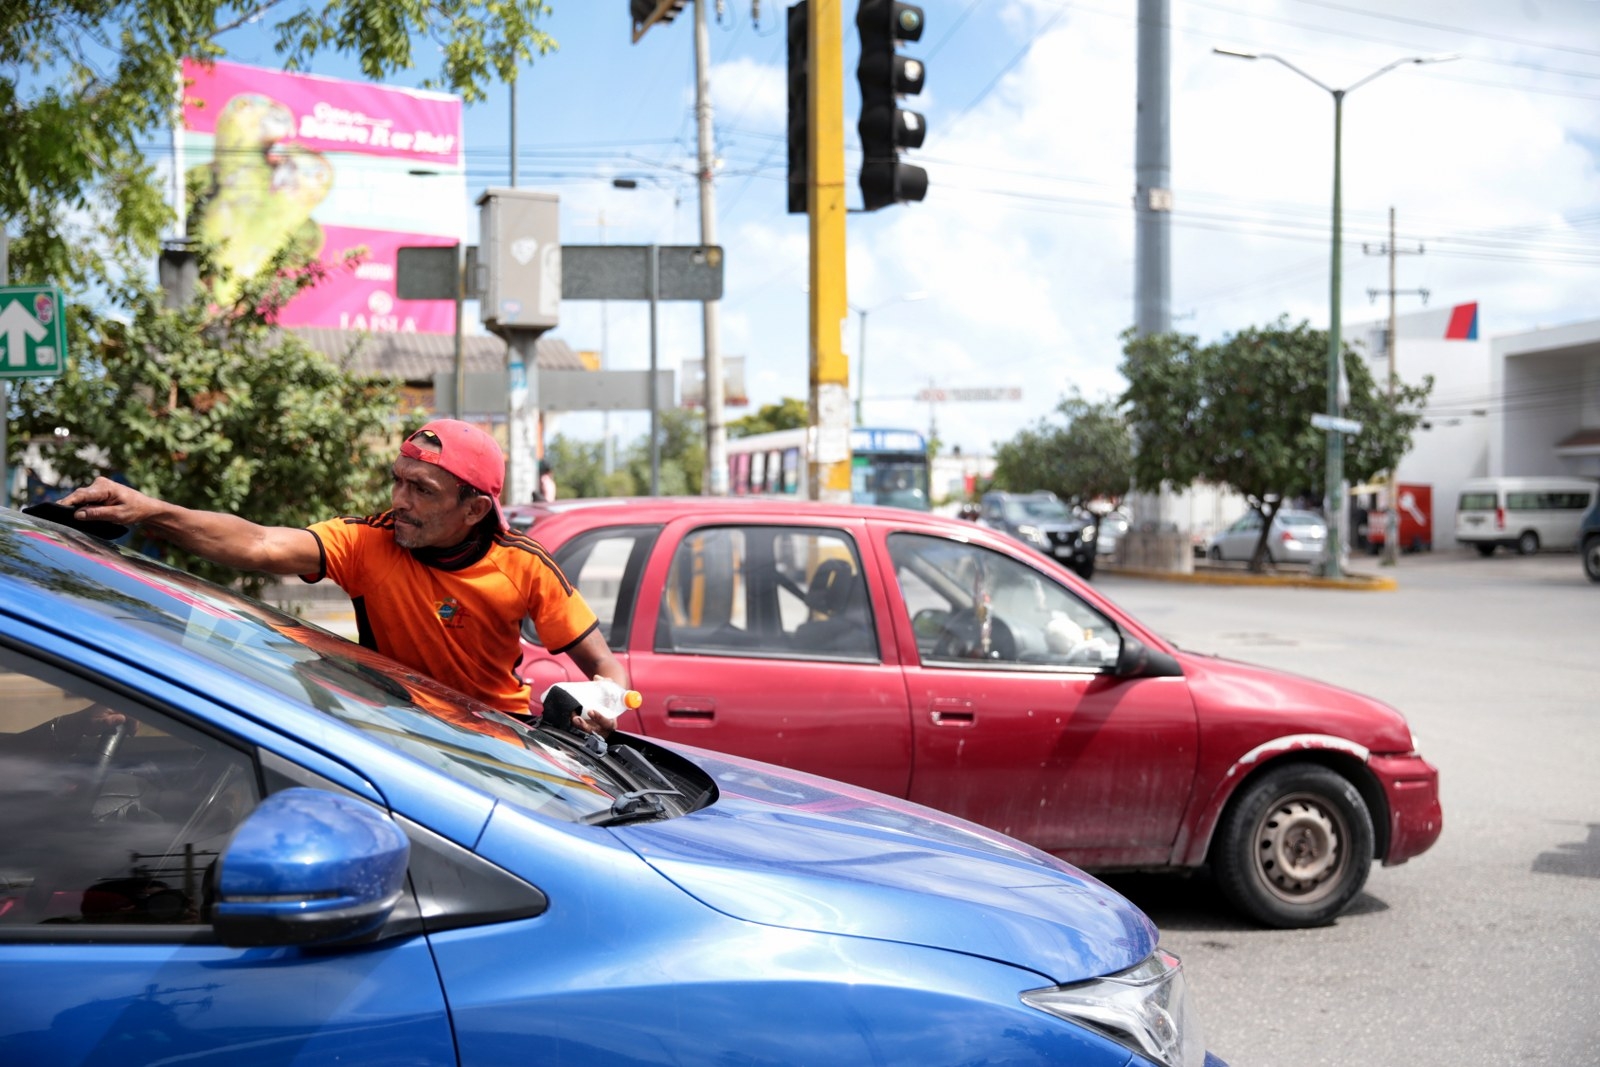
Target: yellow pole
[829,457]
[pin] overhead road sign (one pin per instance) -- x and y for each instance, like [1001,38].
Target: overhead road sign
[622,272]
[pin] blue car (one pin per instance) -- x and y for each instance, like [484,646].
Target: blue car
[230,837]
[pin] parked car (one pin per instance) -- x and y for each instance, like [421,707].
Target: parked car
[1042,522]
[1295,537]
[1589,543]
[235,838]
[1525,514]
[1113,524]
[935,660]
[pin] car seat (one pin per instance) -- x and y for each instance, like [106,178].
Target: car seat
[838,611]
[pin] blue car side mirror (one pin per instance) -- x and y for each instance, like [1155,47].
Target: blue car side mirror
[309,867]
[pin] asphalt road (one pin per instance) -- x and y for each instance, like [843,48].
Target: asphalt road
[1485,949]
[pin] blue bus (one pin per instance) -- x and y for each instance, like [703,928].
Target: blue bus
[887,466]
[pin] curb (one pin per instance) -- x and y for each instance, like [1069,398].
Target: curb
[1354,582]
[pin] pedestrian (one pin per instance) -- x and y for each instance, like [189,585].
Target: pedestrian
[438,581]
[547,482]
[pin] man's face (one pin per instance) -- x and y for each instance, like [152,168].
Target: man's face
[428,509]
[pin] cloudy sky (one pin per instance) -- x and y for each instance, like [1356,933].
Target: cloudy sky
[1024,246]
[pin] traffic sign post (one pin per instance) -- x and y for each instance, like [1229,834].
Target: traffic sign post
[33,344]
[33,332]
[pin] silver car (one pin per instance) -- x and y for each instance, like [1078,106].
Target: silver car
[1296,537]
[1113,524]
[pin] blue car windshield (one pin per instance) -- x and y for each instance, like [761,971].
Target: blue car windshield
[431,723]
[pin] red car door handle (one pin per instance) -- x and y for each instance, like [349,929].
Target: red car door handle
[691,712]
[952,713]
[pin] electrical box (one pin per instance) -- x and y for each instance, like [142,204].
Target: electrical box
[519,258]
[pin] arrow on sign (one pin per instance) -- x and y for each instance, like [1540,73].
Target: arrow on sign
[17,328]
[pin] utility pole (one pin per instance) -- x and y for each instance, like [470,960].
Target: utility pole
[1391,516]
[1153,174]
[830,371]
[715,481]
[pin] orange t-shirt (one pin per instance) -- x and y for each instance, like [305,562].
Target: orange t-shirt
[459,627]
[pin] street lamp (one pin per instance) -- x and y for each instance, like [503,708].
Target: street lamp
[861,355]
[1335,471]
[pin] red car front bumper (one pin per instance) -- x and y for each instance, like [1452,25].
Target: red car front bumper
[1411,785]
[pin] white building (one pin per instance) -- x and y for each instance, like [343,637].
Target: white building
[1546,414]
[1452,444]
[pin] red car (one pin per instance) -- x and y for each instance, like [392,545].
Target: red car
[935,660]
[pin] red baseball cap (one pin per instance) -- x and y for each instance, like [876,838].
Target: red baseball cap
[466,452]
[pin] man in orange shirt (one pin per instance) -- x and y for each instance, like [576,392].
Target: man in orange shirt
[438,581]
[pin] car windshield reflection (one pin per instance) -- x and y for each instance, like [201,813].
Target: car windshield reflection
[407,711]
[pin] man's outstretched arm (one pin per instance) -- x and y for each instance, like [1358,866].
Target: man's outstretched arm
[213,535]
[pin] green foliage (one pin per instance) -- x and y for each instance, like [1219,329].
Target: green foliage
[787,414]
[220,412]
[1238,413]
[85,85]
[1089,456]
[579,467]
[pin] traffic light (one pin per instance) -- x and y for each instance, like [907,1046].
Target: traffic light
[799,108]
[884,76]
[647,13]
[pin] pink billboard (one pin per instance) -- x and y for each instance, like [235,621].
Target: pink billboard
[346,171]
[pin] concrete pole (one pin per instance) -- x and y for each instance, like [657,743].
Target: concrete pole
[1391,514]
[1153,174]
[1335,472]
[460,342]
[861,367]
[655,417]
[715,480]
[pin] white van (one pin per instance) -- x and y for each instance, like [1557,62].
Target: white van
[1523,513]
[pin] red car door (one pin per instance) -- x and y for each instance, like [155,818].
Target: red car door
[768,641]
[1019,722]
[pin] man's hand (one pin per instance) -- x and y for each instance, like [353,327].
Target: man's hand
[108,501]
[593,721]
[73,730]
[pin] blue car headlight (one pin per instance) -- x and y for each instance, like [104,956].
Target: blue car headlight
[1033,535]
[1089,532]
[1145,1008]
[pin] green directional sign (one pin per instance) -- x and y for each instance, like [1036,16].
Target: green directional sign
[33,332]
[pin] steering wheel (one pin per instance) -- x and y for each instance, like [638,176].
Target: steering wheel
[105,755]
[962,638]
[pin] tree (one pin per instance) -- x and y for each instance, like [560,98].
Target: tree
[788,414]
[85,83]
[682,455]
[1238,413]
[216,411]
[1090,456]
[579,466]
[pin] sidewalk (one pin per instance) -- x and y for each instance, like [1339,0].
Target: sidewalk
[1360,578]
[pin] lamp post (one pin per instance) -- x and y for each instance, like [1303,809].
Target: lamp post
[861,354]
[1335,464]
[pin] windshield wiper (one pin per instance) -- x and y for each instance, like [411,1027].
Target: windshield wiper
[639,805]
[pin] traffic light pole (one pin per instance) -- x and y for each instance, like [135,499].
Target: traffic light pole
[825,202]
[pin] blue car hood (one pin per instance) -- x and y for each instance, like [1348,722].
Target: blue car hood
[791,850]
